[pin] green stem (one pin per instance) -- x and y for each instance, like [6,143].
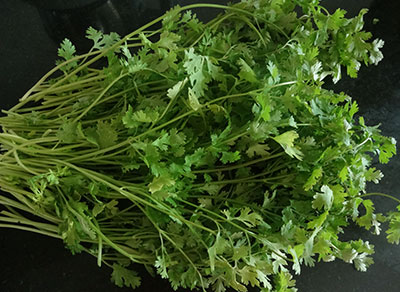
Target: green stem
[38,225]
[100,96]
[381,195]
[242,165]
[25,228]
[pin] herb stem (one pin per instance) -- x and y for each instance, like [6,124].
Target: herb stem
[381,195]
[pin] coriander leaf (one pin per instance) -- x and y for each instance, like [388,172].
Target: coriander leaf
[95,36]
[258,149]
[128,118]
[367,219]
[159,182]
[67,50]
[362,262]
[323,199]
[107,135]
[217,248]
[375,54]
[246,72]
[393,233]
[373,175]
[230,157]
[296,263]
[174,90]
[284,282]
[142,117]
[287,142]
[68,132]
[193,99]
[387,150]
[313,179]
[264,102]
[194,66]
[124,277]
[318,221]
[249,276]
[249,217]
[273,70]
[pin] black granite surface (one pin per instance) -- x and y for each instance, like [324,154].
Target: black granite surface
[30,262]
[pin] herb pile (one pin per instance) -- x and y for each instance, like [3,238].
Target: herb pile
[209,152]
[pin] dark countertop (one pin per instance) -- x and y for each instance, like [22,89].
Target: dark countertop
[31,262]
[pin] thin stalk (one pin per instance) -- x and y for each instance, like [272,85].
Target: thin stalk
[38,225]
[381,195]
[25,228]
[242,165]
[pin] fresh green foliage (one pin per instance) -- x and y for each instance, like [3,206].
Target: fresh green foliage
[209,152]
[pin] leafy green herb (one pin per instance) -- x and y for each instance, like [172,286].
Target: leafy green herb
[209,152]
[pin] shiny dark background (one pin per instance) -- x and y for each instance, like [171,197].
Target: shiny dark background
[30,31]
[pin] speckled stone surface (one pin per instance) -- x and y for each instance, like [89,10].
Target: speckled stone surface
[30,262]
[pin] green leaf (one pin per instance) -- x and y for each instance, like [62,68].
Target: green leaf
[193,100]
[142,117]
[168,40]
[124,277]
[373,175]
[67,50]
[258,149]
[249,275]
[375,54]
[366,220]
[101,40]
[246,72]
[343,174]
[348,254]
[159,182]
[263,278]
[296,253]
[313,179]
[317,222]
[284,281]
[194,66]
[240,252]
[324,199]
[339,195]
[95,36]
[393,233]
[107,135]
[68,132]
[362,262]
[387,150]
[286,140]
[162,142]
[174,90]
[217,248]
[218,286]
[230,157]
[273,70]
[249,217]
[128,118]
[336,20]
[264,102]
[98,209]
[90,134]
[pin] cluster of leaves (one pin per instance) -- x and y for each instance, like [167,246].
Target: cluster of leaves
[208,152]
